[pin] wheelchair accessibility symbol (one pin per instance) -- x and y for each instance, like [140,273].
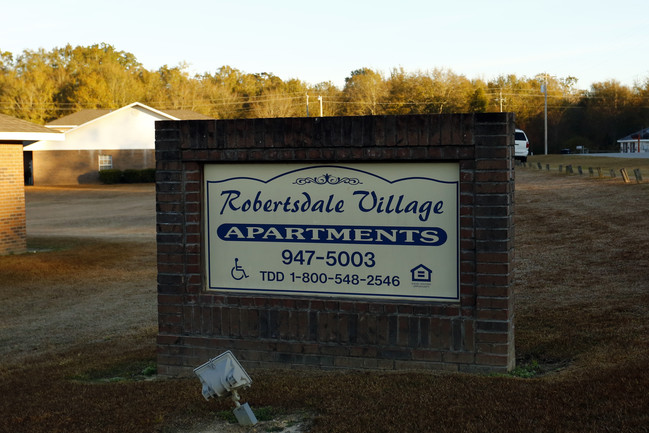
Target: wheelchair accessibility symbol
[237,271]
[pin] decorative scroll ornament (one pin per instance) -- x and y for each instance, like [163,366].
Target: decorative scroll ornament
[327,179]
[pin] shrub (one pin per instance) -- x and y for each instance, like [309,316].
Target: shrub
[131,175]
[147,175]
[110,176]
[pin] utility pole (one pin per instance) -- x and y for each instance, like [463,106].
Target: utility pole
[320,99]
[307,105]
[544,88]
[500,99]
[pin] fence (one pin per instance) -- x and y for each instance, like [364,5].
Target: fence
[594,172]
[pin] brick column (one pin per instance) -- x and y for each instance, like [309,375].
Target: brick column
[13,236]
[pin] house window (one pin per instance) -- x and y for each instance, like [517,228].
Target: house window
[105,162]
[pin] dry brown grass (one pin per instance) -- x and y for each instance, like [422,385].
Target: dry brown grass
[73,291]
[582,272]
[582,314]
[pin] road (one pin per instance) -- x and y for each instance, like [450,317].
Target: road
[99,211]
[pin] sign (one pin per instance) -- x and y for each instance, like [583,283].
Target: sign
[385,230]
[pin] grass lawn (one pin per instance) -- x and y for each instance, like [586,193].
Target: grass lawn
[78,328]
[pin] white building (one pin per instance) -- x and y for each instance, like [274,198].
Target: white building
[97,140]
[635,142]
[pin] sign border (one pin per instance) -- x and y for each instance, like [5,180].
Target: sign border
[330,294]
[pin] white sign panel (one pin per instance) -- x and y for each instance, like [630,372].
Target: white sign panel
[385,230]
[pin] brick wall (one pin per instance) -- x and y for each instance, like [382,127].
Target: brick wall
[71,167]
[13,236]
[474,334]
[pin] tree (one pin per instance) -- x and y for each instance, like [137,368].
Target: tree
[449,92]
[478,101]
[100,77]
[409,93]
[332,99]
[177,89]
[226,92]
[7,80]
[43,85]
[278,98]
[364,92]
[275,103]
[29,88]
[521,96]
[609,109]
[437,91]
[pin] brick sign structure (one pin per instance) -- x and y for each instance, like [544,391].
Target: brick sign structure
[382,242]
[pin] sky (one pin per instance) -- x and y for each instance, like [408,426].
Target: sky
[316,42]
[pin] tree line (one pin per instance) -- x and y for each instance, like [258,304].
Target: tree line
[41,86]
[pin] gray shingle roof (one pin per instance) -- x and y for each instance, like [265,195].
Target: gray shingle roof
[643,134]
[186,115]
[85,116]
[79,118]
[12,124]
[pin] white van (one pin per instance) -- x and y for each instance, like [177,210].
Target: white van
[521,145]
